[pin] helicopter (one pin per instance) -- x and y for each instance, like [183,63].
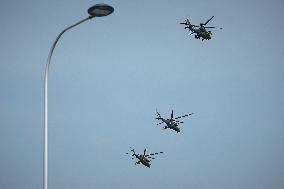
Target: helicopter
[144,159]
[199,31]
[171,123]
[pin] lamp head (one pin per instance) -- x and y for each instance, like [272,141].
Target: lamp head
[100,10]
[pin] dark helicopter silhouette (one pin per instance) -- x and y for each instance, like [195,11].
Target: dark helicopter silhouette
[199,31]
[171,123]
[144,159]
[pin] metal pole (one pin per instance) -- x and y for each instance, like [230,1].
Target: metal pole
[45,152]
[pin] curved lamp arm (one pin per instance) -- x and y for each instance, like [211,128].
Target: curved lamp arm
[45,153]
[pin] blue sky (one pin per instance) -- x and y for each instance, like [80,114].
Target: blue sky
[108,76]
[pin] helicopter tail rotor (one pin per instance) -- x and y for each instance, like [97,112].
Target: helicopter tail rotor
[133,152]
[187,24]
[158,115]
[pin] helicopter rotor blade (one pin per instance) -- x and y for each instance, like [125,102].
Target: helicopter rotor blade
[149,155]
[208,20]
[185,22]
[183,116]
[178,122]
[155,153]
[159,123]
[209,27]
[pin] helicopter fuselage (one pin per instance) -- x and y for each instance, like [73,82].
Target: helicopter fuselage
[205,35]
[200,32]
[143,160]
[171,124]
[175,128]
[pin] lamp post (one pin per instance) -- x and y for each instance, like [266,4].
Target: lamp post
[97,10]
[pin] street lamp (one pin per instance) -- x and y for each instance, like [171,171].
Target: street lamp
[97,10]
